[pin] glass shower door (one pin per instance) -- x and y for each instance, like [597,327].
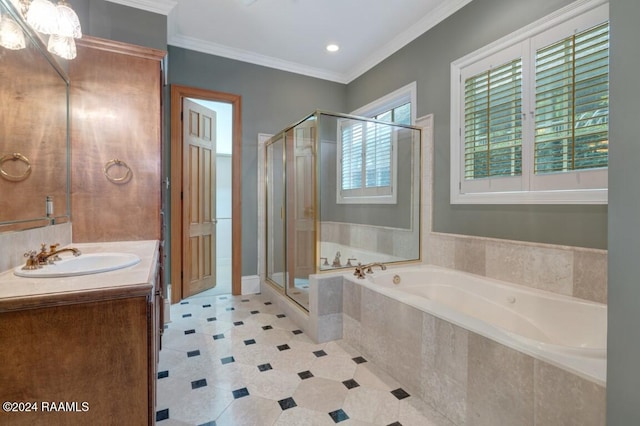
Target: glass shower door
[301,209]
[275,199]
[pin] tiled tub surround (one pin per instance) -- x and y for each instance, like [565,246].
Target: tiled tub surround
[572,271]
[394,242]
[469,378]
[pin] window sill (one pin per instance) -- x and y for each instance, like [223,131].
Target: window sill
[586,196]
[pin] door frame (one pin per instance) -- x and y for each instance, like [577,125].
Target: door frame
[178,93]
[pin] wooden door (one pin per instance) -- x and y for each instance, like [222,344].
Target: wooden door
[198,198]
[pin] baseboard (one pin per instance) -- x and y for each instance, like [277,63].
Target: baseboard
[250,284]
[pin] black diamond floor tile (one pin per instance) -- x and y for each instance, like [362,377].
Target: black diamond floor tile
[239,393]
[287,403]
[265,367]
[359,360]
[400,393]
[162,415]
[196,384]
[305,374]
[193,353]
[350,384]
[227,360]
[339,416]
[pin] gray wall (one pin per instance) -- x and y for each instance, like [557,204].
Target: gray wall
[396,215]
[271,101]
[427,61]
[623,355]
[112,21]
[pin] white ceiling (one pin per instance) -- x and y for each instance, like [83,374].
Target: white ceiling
[292,35]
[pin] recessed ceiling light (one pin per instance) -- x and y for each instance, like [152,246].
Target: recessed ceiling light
[333,47]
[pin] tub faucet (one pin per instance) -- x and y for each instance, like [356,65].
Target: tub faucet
[361,269]
[336,261]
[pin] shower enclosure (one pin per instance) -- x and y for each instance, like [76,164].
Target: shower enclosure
[340,190]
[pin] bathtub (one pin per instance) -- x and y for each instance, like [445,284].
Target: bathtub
[565,331]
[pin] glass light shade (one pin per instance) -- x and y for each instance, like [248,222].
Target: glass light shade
[68,22]
[18,5]
[65,47]
[42,16]
[11,35]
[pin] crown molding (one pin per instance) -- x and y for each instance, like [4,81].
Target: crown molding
[163,7]
[179,40]
[200,45]
[432,19]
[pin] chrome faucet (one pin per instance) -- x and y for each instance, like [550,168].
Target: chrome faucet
[361,269]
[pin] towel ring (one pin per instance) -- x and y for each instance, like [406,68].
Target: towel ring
[16,156]
[117,180]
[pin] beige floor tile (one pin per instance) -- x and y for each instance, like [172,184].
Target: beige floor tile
[320,394]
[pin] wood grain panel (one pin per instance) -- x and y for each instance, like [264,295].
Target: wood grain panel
[93,352]
[116,114]
[33,123]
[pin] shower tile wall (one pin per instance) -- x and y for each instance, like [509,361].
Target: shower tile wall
[391,241]
[572,271]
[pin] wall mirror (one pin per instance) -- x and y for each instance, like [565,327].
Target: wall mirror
[34,126]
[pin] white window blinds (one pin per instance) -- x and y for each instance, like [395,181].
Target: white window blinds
[366,158]
[493,122]
[572,102]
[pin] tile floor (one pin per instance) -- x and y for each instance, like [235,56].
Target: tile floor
[237,360]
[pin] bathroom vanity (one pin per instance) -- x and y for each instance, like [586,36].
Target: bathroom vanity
[82,349]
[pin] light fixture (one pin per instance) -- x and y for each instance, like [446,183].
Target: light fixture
[42,16]
[332,47]
[68,22]
[11,35]
[65,47]
[58,21]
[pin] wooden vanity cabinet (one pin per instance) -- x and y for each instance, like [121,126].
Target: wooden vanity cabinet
[94,352]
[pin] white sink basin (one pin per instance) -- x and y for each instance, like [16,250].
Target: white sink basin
[85,264]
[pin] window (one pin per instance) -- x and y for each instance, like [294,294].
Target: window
[530,114]
[367,160]
[367,150]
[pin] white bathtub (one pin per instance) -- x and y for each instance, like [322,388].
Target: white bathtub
[568,332]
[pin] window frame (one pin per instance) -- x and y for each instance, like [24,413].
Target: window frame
[399,97]
[574,187]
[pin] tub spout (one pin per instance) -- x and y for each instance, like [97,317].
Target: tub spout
[336,261]
[361,269]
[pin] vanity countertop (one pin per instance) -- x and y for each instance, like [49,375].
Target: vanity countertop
[137,280]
